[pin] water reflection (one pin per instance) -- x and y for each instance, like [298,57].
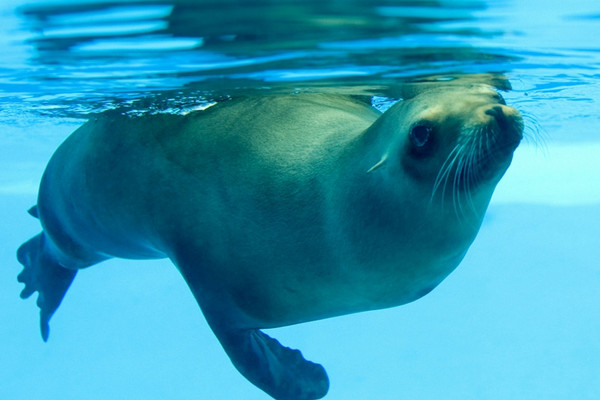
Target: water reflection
[243,27]
[101,55]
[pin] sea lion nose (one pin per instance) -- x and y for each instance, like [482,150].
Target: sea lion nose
[498,114]
[508,120]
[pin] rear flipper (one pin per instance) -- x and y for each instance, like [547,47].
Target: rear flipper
[42,273]
[280,371]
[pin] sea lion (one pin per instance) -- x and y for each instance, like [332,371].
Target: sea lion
[277,210]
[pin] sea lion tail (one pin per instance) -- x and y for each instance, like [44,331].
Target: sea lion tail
[43,273]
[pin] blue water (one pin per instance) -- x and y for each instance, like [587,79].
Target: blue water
[519,319]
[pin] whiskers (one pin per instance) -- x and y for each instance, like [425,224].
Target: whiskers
[462,170]
[533,132]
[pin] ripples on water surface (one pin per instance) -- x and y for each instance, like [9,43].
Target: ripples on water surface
[533,271]
[74,58]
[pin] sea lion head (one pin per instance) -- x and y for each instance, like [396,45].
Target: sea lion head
[458,140]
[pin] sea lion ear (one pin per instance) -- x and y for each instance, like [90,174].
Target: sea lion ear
[278,370]
[413,87]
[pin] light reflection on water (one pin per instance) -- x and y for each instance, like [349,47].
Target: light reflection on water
[144,48]
[71,59]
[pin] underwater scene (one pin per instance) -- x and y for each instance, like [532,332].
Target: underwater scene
[406,191]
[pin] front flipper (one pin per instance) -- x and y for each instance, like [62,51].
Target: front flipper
[278,370]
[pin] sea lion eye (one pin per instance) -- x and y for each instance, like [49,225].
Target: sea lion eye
[420,135]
